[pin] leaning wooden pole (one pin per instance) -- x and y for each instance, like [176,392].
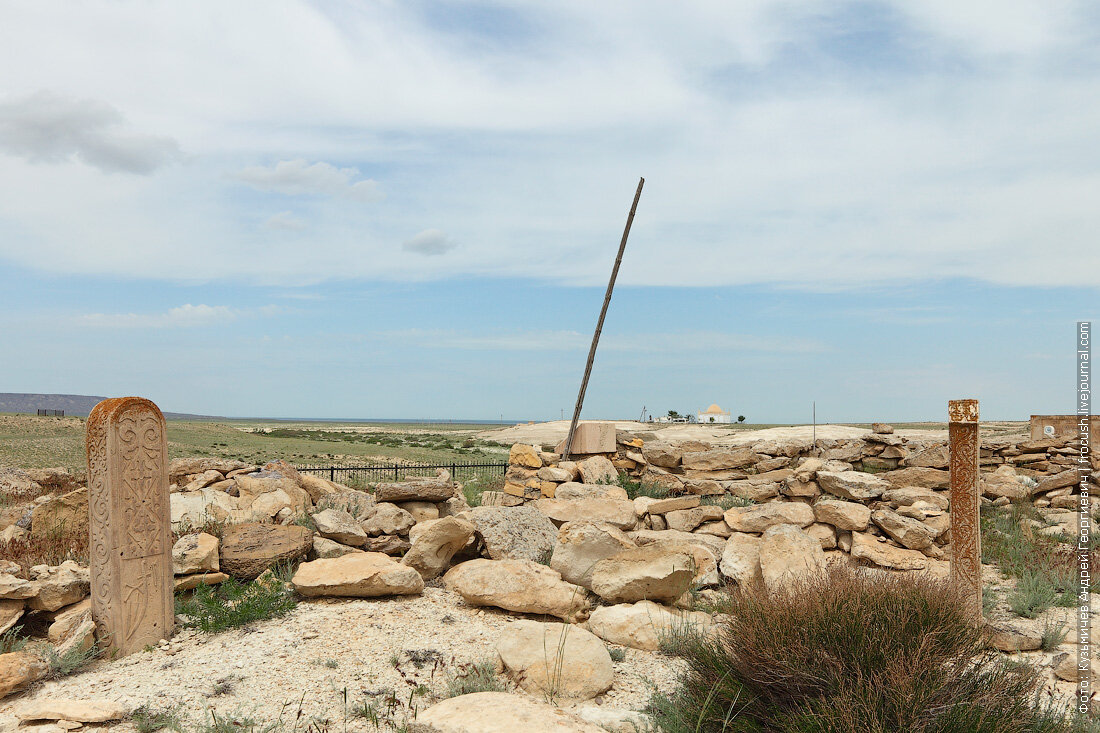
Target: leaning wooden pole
[599,323]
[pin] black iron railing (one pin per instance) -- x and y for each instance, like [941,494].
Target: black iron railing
[375,473]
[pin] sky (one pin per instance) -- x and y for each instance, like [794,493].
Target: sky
[384,209]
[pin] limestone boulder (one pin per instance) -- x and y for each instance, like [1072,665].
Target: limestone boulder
[868,547]
[555,473]
[318,487]
[339,526]
[437,488]
[556,660]
[580,545]
[59,586]
[905,531]
[421,511]
[575,490]
[195,553]
[513,533]
[79,711]
[10,612]
[190,582]
[193,509]
[687,520]
[616,720]
[17,483]
[358,504]
[324,549]
[759,517]
[644,624]
[13,587]
[718,459]
[270,490]
[55,480]
[358,575]
[202,480]
[844,515]
[597,470]
[852,485]
[616,512]
[388,544]
[909,495]
[660,453]
[431,552]
[590,438]
[498,712]
[929,456]
[789,554]
[178,468]
[249,549]
[652,573]
[62,514]
[741,559]
[925,478]
[20,670]
[388,519]
[1004,481]
[670,504]
[526,456]
[518,585]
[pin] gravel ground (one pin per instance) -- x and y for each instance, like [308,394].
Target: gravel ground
[299,666]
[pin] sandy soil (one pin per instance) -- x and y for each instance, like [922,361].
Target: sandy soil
[281,666]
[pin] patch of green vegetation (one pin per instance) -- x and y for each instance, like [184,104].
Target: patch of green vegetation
[215,608]
[11,641]
[1054,632]
[473,488]
[148,719]
[63,664]
[635,488]
[474,677]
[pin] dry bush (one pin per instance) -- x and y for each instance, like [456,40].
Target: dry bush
[853,651]
[53,548]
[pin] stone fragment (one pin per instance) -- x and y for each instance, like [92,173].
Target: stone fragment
[10,612]
[1004,482]
[19,670]
[498,712]
[671,504]
[432,550]
[575,490]
[868,547]
[339,526]
[931,456]
[1014,639]
[388,519]
[318,487]
[788,554]
[195,553]
[59,586]
[652,572]
[718,459]
[518,585]
[905,531]
[845,515]
[513,533]
[925,478]
[644,624]
[358,575]
[909,495]
[758,518]
[190,582]
[439,488]
[616,512]
[388,544]
[15,588]
[61,515]
[853,485]
[66,620]
[249,549]
[597,470]
[659,453]
[555,474]
[325,549]
[580,545]
[556,660]
[358,504]
[527,456]
[18,484]
[590,438]
[687,520]
[81,711]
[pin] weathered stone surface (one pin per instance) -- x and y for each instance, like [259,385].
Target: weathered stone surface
[195,553]
[868,547]
[1065,668]
[671,504]
[249,549]
[1007,638]
[854,485]
[652,572]
[642,625]
[526,456]
[556,660]
[659,453]
[513,533]
[580,545]
[318,488]
[555,474]
[932,456]
[10,612]
[19,670]
[17,483]
[925,478]
[825,534]
[439,488]
[616,512]
[590,438]
[325,549]
[686,520]
[1004,481]
[671,538]
[574,490]
[15,588]
[903,530]
[59,586]
[181,467]
[129,545]
[498,712]
[909,495]
[388,544]
[759,518]
[64,514]
[432,550]
[718,459]
[358,575]
[718,528]
[190,510]
[190,582]
[421,511]
[881,428]
[846,515]
[788,554]
[358,504]
[81,711]
[339,526]
[388,519]
[597,470]
[518,585]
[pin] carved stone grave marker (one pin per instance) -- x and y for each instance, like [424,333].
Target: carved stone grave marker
[966,535]
[130,544]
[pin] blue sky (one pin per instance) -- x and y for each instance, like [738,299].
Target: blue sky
[378,209]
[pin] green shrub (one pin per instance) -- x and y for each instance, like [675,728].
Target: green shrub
[635,488]
[148,719]
[851,651]
[474,677]
[214,608]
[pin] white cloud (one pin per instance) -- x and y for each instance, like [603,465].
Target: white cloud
[429,242]
[300,178]
[184,316]
[49,128]
[285,220]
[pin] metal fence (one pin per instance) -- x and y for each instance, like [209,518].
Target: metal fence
[377,473]
[51,413]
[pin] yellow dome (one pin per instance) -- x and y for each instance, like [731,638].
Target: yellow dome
[714,410]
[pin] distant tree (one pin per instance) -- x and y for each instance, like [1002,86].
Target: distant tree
[740,418]
[673,414]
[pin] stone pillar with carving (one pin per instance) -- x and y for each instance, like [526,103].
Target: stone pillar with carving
[966,531]
[130,534]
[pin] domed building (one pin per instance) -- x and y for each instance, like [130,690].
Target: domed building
[713,414]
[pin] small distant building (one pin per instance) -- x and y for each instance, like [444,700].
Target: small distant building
[714,413]
[1058,426]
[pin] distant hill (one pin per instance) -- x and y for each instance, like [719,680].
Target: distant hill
[72,404]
